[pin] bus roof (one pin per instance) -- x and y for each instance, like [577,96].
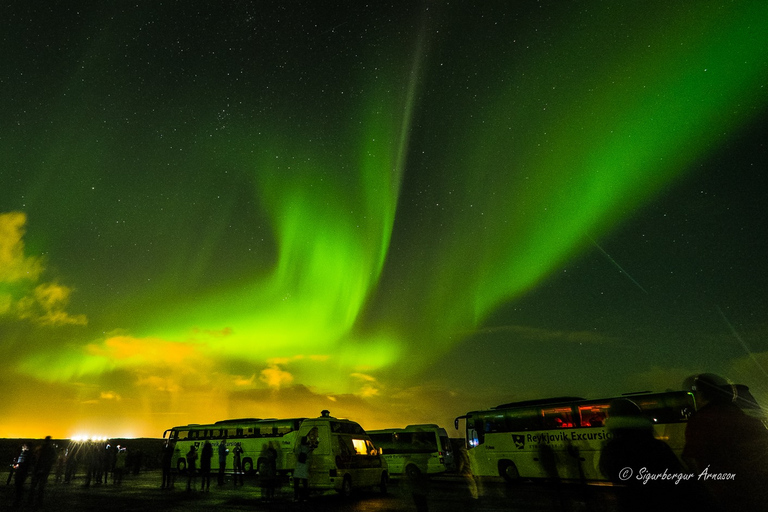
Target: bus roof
[575,399]
[542,401]
[426,427]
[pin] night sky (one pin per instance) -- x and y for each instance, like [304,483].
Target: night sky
[399,212]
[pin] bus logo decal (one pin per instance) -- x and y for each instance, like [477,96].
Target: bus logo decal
[519,441]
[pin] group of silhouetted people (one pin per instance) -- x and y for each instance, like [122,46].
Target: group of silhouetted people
[198,463]
[35,465]
[724,465]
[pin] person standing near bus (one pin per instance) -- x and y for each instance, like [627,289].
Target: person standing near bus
[633,451]
[268,472]
[205,466]
[223,451]
[191,466]
[301,473]
[237,466]
[166,463]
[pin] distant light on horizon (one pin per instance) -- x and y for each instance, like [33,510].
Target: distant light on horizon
[82,438]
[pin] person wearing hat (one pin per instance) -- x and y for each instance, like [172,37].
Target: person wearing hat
[725,447]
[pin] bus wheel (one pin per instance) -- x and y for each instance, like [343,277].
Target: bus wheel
[247,466]
[181,465]
[412,471]
[508,471]
[383,484]
[346,486]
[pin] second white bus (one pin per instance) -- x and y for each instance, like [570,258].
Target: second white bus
[415,449]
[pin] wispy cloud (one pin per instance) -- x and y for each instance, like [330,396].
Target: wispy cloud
[23,295]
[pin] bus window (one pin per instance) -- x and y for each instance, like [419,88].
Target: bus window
[557,417]
[359,446]
[593,415]
[666,408]
[478,431]
[415,442]
[494,423]
[516,420]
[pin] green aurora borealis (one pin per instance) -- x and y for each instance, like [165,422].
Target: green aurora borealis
[210,211]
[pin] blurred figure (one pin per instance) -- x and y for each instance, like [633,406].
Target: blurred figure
[166,462]
[121,463]
[301,473]
[107,461]
[21,472]
[206,455]
[90,458]
[268,472]
[725,447]
[15,463]
[46,458]
[61,464]
[136,457]
[463,468]
[191,466]
[237,466]
[223,451]
[632,452]
[70,466]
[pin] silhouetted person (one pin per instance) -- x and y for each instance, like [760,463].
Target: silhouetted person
[46,458]
[70,466]
[61,463]
[23,463]
[223,451]
[268,472]
[91,462]
[237,465]
[301,473]
[166,461]
[191,466]
[137,457]
[14,464]
[107,461]
[632,453]
[206,454]
[720,439]
[121,463]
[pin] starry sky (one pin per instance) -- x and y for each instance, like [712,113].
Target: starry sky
[397,211]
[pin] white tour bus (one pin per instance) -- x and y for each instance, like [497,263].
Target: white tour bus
[344,458]
[562,437]
[415,449]
[253,435]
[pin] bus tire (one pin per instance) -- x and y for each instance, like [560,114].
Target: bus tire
[384,482]
[181,465]
[346,486]
[508,471]
[412,471]
[247,466]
